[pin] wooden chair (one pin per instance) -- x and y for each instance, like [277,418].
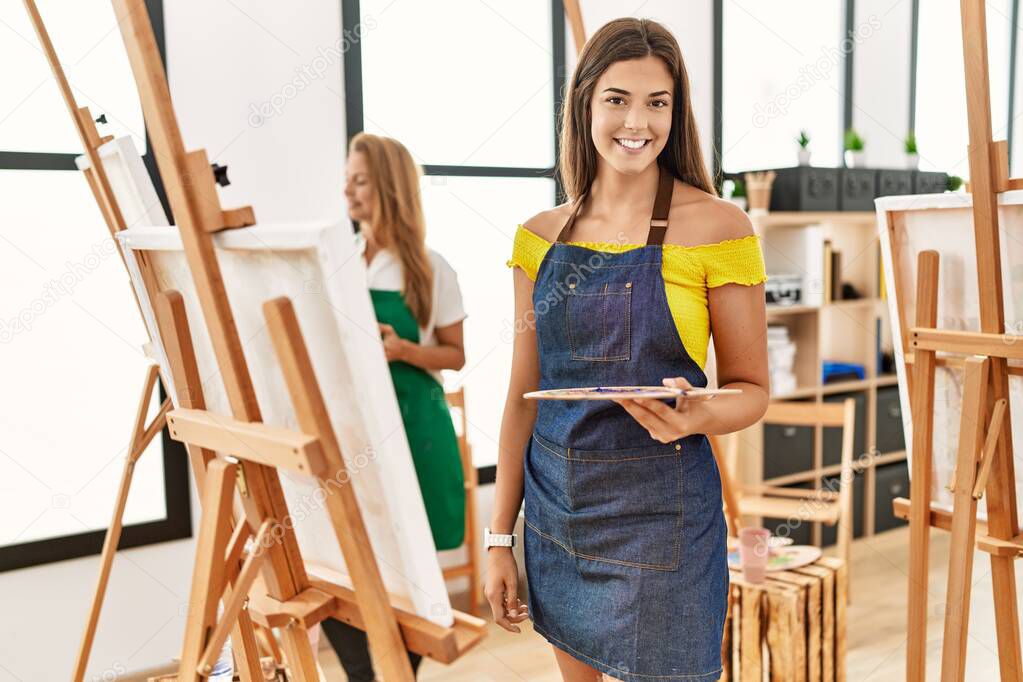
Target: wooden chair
[759,501]
[470,569]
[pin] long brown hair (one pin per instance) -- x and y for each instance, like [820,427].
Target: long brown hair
[398,221]
[619,40]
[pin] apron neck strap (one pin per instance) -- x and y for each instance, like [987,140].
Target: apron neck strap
[658,219]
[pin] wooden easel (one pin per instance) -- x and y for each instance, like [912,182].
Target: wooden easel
[219,572]
[984,460]
[142,433]
[289,599]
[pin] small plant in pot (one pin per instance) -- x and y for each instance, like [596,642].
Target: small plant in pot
[804,148]
[738,192]
[854,157]
[912,156]
[953,183]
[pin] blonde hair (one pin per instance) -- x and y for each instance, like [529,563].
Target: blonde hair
[620,40]
[398,222]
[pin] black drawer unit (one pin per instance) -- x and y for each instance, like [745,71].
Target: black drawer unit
[892,480]
[799,530]
[805,188]
[787,449]
[928,182]
[890,434]
[894,182]
[831,437]
[829,534]
[858,189]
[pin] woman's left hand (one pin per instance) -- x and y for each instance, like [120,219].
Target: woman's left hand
[665,423]
[394,345]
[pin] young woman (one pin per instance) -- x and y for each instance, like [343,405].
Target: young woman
[624,531]
[418,305]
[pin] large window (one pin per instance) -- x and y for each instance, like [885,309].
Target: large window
[941,121]
[70,333]
[782,70]
[476,109]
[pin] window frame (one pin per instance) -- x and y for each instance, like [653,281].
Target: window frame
[354,115]
[177,524]
[846,104]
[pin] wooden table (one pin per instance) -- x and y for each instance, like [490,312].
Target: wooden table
[790,628]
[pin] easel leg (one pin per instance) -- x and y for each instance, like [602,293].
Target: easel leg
[208,577]
[172,322]
[141,436]
[1003,523]
[298,652]
[922,405]
[964,520]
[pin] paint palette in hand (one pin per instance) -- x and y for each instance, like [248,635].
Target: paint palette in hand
[619,392]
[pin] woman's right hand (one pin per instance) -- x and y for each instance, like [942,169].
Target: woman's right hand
[501,589]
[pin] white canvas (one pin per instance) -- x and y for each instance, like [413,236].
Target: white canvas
[944,223]
[129,181]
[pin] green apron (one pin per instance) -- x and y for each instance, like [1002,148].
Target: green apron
[431,435]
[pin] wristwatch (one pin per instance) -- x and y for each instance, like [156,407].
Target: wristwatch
[497,539]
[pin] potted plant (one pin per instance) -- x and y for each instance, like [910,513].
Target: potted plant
[953,183]
[912,156]
[853,149]
[804,152]
[738,192]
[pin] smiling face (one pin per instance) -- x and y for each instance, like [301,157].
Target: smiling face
[631,113]
[359,190]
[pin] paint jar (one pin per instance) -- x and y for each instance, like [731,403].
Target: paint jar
[753,553]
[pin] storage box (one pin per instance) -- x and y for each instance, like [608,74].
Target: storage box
[890,434]
[927,182]
[805,188]
[892,481]
[858,189]
[892,182]
[831,437]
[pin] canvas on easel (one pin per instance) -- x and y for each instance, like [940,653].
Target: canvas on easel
[943,223]
[318,268]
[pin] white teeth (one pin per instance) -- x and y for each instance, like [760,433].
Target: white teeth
[630,144]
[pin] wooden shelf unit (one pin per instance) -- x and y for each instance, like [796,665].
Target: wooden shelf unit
[842,330]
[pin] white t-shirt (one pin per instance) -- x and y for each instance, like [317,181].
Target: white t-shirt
[385,272]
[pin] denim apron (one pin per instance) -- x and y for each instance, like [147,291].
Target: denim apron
[625,540]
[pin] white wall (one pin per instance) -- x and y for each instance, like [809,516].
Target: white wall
[881,79]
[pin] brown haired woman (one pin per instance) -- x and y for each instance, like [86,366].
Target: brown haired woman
[624,531]
[418,305]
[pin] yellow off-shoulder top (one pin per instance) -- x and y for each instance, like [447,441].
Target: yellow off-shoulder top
[687,270]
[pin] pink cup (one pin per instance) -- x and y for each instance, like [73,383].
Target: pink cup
[753,553]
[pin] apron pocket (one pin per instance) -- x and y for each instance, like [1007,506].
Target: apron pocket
[599,321]
[626,509]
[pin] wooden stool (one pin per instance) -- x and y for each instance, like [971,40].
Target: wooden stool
[791,626]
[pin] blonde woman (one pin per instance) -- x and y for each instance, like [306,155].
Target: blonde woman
[418,306]
[625,539]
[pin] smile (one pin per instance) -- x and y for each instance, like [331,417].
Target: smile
[631,144]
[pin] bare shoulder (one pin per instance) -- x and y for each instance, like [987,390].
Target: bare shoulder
[548,224]
[701,218]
